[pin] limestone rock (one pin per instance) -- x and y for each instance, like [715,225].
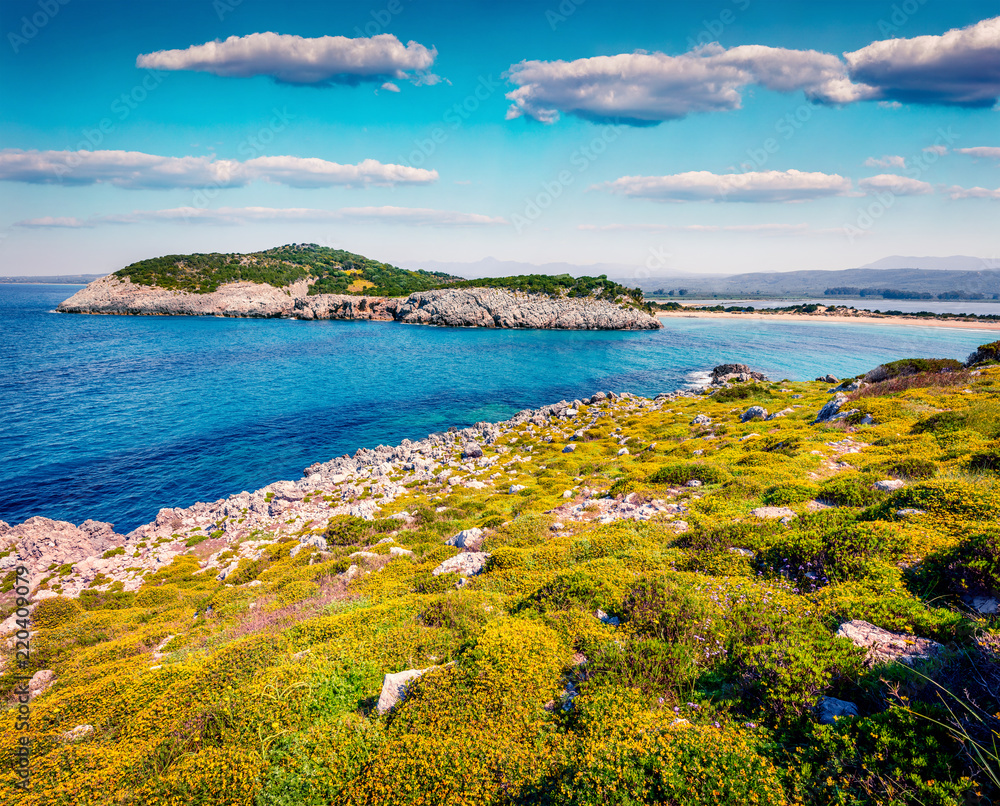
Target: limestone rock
[456,307]
[77,733]
[604,618]
[772,513]
[467,538]
[888,485]
[394,688]
[41,681]
[984,605]
[831,409]
[724,373]
[830,709]
[569,448]
[754,413]
[701,419]
[467,564]
[887,647]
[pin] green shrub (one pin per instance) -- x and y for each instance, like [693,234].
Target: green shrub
[911,366]
[911,467]
[347,530]
[623,486]
[973,566]
[679,474]
[985,354]
[748,391]
[693,765]
[428,583]
[56,612]
[247,570]
[785,494]
[986,461]
[115,552]
[583,587]
[155,596]
[851,490]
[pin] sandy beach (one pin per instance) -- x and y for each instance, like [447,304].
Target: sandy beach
[872,319]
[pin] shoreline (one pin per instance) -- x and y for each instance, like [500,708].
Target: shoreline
[873,319]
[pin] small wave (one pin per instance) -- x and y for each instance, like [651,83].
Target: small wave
[697,379]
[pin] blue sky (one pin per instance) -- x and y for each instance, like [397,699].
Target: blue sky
[722,136]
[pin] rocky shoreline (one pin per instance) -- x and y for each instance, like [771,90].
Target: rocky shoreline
[94,557]
[459,307]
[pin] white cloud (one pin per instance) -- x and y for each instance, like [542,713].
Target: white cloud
[54,223]
[939,150]
[251,215]
[290,59]
[752,228]
[390,87]
[887,161]
[897,185]
[312,172]
[958,68]
[136,170]
[987,152]
[753,186]
[955,192]
[646,88]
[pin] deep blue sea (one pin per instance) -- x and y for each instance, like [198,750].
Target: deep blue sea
[112,418]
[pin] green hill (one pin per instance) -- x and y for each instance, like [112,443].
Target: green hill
[336,271]
[339,272]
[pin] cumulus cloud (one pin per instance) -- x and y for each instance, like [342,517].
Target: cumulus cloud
[897,185]
[753,186]
[987,152]
[887,161]
[958,68]
[319,61]
[136,170]
[646,88]
[955,192]
[961,67]
[939,150]
[251,215]
[54,223]
[752,228]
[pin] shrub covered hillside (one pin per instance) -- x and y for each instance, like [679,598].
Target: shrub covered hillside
[335,271]
[706,598]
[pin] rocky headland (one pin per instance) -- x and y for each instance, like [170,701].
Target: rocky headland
[458,307]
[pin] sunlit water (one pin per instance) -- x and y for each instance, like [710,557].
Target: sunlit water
[112,417]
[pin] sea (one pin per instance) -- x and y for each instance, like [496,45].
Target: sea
[114,417]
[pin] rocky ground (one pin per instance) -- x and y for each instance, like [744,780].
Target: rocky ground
[460,307]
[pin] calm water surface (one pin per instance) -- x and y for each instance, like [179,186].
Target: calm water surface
[111,417]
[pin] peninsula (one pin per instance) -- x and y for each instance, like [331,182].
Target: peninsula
[306,281]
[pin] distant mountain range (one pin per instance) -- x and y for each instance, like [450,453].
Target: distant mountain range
[953,263]
[958,275]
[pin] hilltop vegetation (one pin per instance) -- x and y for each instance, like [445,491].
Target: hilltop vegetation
[336,271]
[600,657]
[561,285]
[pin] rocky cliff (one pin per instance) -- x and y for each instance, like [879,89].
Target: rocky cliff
[459,307]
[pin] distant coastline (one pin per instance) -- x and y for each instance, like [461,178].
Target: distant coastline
[841,315]
[61,279]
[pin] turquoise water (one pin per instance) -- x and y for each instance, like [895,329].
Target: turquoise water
[112,418]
